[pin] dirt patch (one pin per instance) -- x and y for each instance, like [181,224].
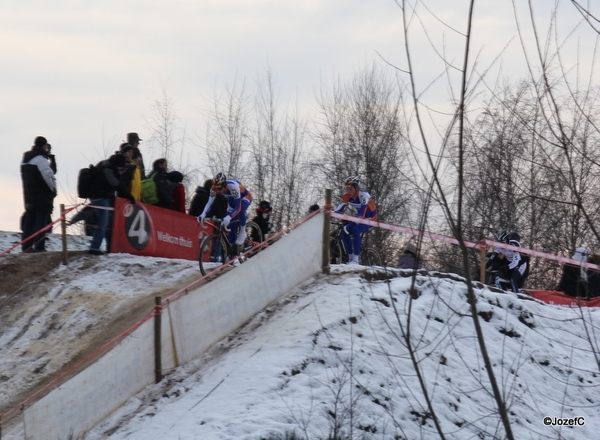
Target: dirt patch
[52,317]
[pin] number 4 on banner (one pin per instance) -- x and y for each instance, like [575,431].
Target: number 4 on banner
[138,228]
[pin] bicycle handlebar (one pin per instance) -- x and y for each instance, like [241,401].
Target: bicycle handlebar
[216,222]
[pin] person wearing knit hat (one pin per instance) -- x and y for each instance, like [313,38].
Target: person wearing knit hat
[177,190]
[40,141]
[125,147]
[409,259]
[39,191]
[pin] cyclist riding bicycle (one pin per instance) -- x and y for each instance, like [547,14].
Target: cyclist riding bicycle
[238,200]
[365,208]
[510,265]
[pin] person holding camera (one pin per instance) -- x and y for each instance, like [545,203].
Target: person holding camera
[105,182]
[132,176]
[39,190]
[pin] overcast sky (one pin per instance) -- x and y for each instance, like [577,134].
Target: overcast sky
[84,73]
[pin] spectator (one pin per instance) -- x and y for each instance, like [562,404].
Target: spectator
[39,191]
[134,140]
[52,159]
[574,279]
[163,188]
[313,208]
[177,190]
[88,215]
[102,197]
[132,176]
[409,259]
[593,277]
[200,199]
[263,219]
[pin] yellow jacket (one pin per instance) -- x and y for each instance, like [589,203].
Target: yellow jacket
[136,184]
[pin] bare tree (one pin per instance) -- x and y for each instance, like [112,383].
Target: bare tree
[359,131]
[279,155]
[227,130]
[168,138]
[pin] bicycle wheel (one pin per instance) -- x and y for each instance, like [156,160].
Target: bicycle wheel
[336,252]
[253,237]
[369,257]
[213,253]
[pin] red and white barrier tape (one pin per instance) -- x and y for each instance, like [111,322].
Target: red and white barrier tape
[469,244]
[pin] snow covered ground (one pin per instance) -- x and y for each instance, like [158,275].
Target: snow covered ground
[333,355]
[54,243]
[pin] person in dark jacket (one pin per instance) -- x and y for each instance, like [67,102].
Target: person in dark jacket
[574,279]
[39,191]
[593,277]
[132,172]
[175,179]
[263,219]
[218,208]
[102,197]
[409,259]
[163,187]
[88,215]
[313,208]
[200,198]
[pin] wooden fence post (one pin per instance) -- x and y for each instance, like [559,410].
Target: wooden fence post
[157,339]
[482,257]
[326,231]
[63,227]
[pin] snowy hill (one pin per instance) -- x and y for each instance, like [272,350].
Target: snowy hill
[334,351]
[330,356]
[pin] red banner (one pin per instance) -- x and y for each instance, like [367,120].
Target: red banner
[141,229]
[560,299]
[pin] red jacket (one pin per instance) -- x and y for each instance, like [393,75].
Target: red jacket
[179,198]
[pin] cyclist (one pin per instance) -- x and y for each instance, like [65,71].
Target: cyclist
[238,199]
[365,208]
[510,263]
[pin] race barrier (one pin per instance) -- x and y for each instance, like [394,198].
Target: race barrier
[142,229]
[48,228]
[193,319]
[481,245]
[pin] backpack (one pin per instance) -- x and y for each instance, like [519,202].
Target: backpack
[84,182]
[149,194]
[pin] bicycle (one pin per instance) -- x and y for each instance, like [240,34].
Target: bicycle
[215,249]
[338,254]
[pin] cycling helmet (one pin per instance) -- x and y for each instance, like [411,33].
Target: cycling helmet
[352,181]
[264,207]
[220,180]
[503,236]
[514,235]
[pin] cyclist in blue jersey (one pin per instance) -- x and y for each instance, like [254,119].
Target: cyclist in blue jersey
[238,200]
[365,207]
